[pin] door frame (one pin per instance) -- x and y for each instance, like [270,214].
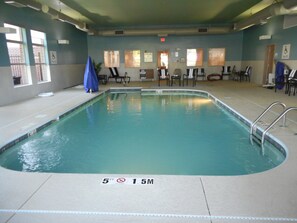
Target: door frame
[159,58]
[268,63]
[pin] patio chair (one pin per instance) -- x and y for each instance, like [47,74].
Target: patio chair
[200,73]
[163,75]
[115,74]
[226,71]
[246,74]
[292,82]
[191,75]
[233,73]
[177,73]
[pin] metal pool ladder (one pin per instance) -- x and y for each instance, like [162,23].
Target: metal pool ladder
[253,129]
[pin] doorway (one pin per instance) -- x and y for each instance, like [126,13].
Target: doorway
[163,58]
[268,63]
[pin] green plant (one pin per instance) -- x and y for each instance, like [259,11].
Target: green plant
[97,66]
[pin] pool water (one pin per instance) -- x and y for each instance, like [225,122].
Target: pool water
[143,133]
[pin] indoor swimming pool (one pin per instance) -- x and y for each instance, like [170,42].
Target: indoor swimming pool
[144,132]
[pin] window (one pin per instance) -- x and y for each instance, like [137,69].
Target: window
[194,57]
[216,57]
[40,56]
[132,58]
[18,56]
[111,58]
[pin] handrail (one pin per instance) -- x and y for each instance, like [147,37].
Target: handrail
[274,122]
[262,114]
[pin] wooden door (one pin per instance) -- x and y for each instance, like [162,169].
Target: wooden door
[268,64]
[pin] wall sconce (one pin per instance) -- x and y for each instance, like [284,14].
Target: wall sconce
[264,37]
[63,41]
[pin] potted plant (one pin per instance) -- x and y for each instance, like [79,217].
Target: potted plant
[97,67]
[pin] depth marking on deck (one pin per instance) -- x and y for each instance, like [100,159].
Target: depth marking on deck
[127,181]
[207,217]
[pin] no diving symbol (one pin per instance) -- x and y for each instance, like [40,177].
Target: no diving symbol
[121,180]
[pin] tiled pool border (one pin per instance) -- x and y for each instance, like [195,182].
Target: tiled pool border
[32,132]
[270,138]
[274,141]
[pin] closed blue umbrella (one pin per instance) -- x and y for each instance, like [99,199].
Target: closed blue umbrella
[279,75]
[90,77]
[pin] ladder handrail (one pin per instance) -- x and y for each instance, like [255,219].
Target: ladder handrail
[263,113]
[275,121]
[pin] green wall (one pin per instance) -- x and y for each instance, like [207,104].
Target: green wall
[74,53]
[254,49]
[71,59]
[232,43]
[242,48]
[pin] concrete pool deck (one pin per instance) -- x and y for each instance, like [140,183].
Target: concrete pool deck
[269,196]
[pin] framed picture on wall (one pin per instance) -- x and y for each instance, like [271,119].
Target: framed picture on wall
[216,56]
[148,57]
[53,57]
[286,51]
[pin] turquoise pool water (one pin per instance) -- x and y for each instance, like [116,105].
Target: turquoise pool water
[143,133]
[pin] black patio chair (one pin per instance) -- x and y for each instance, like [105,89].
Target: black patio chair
[115,74]
[163,75]
[190,75]
[177,74]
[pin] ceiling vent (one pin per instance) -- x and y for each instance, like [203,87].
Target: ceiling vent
[202,30]
[119,32]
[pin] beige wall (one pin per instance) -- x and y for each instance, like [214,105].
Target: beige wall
[62,76]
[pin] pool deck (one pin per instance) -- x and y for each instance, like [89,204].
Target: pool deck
[269,196]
